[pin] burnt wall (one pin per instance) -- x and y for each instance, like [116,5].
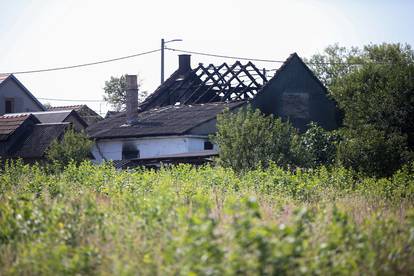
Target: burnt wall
[295,94]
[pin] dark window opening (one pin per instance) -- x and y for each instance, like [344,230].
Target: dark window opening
[9,106]
[129,151]
[208,145]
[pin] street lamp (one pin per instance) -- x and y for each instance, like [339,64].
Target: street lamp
[163,42]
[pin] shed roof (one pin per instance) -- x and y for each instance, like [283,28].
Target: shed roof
[49,117]
[168,120]
[39,140]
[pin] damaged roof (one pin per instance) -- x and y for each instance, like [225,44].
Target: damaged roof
[207,84]
[168,120]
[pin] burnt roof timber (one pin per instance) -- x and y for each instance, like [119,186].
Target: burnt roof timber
[237,63]
[202,85]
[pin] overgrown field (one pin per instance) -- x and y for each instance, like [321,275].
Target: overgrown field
[186,221]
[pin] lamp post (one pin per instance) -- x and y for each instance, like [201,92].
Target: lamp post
[163,42]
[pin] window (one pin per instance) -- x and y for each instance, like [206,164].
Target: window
[9,106]
[129,151]
[208,145]
[295,105]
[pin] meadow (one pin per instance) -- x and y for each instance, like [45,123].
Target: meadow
[204,221]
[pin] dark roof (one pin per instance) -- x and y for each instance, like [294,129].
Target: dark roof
[168,120]
[38,141]
[48,117]
[84,111]
[9,124]
[195,158]
[4,77]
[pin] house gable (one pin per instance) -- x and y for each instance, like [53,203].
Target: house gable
[296,94]
[16,96]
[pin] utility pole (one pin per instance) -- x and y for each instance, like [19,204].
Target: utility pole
[162,60]
[163,42]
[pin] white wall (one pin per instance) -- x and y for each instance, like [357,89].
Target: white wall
[148,147]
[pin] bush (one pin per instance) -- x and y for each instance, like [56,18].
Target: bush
[372,151]
[247,139]
[319,145]
[74,147]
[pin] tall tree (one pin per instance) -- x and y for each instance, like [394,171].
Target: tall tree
[374,87]
[115,92]
[378,91]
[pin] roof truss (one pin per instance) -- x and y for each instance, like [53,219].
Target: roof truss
[206,84]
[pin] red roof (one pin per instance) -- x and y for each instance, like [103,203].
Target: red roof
[8,124]
[66,107]
[3,77]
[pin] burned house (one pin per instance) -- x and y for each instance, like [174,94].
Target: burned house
[177,119]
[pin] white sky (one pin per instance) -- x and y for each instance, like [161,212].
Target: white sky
[50,33]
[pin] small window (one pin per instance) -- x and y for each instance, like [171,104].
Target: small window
[9,106]
[129,151]
[208,145]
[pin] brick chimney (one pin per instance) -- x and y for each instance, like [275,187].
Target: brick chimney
[131,99]
[184,63]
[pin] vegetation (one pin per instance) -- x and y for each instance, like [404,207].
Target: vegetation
[249,140]
[374,87]
[115,92]
[74,147]
[96,220]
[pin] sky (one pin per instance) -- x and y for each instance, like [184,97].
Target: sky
[49,33]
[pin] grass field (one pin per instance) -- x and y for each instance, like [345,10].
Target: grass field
[210,221]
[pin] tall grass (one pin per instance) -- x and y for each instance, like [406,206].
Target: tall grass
[182,220]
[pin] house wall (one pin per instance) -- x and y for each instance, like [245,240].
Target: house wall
[22,102]
[296,95]
[148,147]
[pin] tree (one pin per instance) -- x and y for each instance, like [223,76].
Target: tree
[247,139]
[74,147]
[375,90]
[372,151]
[115,92]
[379,91]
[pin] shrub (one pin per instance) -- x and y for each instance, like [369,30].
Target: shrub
[74,147]
[372,151]
[319,145]
[248,139]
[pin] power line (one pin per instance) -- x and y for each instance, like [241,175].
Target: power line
[224,56]
[84,64]
[71,100]
[275,61]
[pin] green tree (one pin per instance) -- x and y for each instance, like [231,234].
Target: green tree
[319,145]
[247,139]
[115,92]
[372,151]
[74,147]
[374,87]
[379,91]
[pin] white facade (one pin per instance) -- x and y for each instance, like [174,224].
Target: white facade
[148,147]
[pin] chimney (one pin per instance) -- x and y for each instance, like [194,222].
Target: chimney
[184,63]
[131,99]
